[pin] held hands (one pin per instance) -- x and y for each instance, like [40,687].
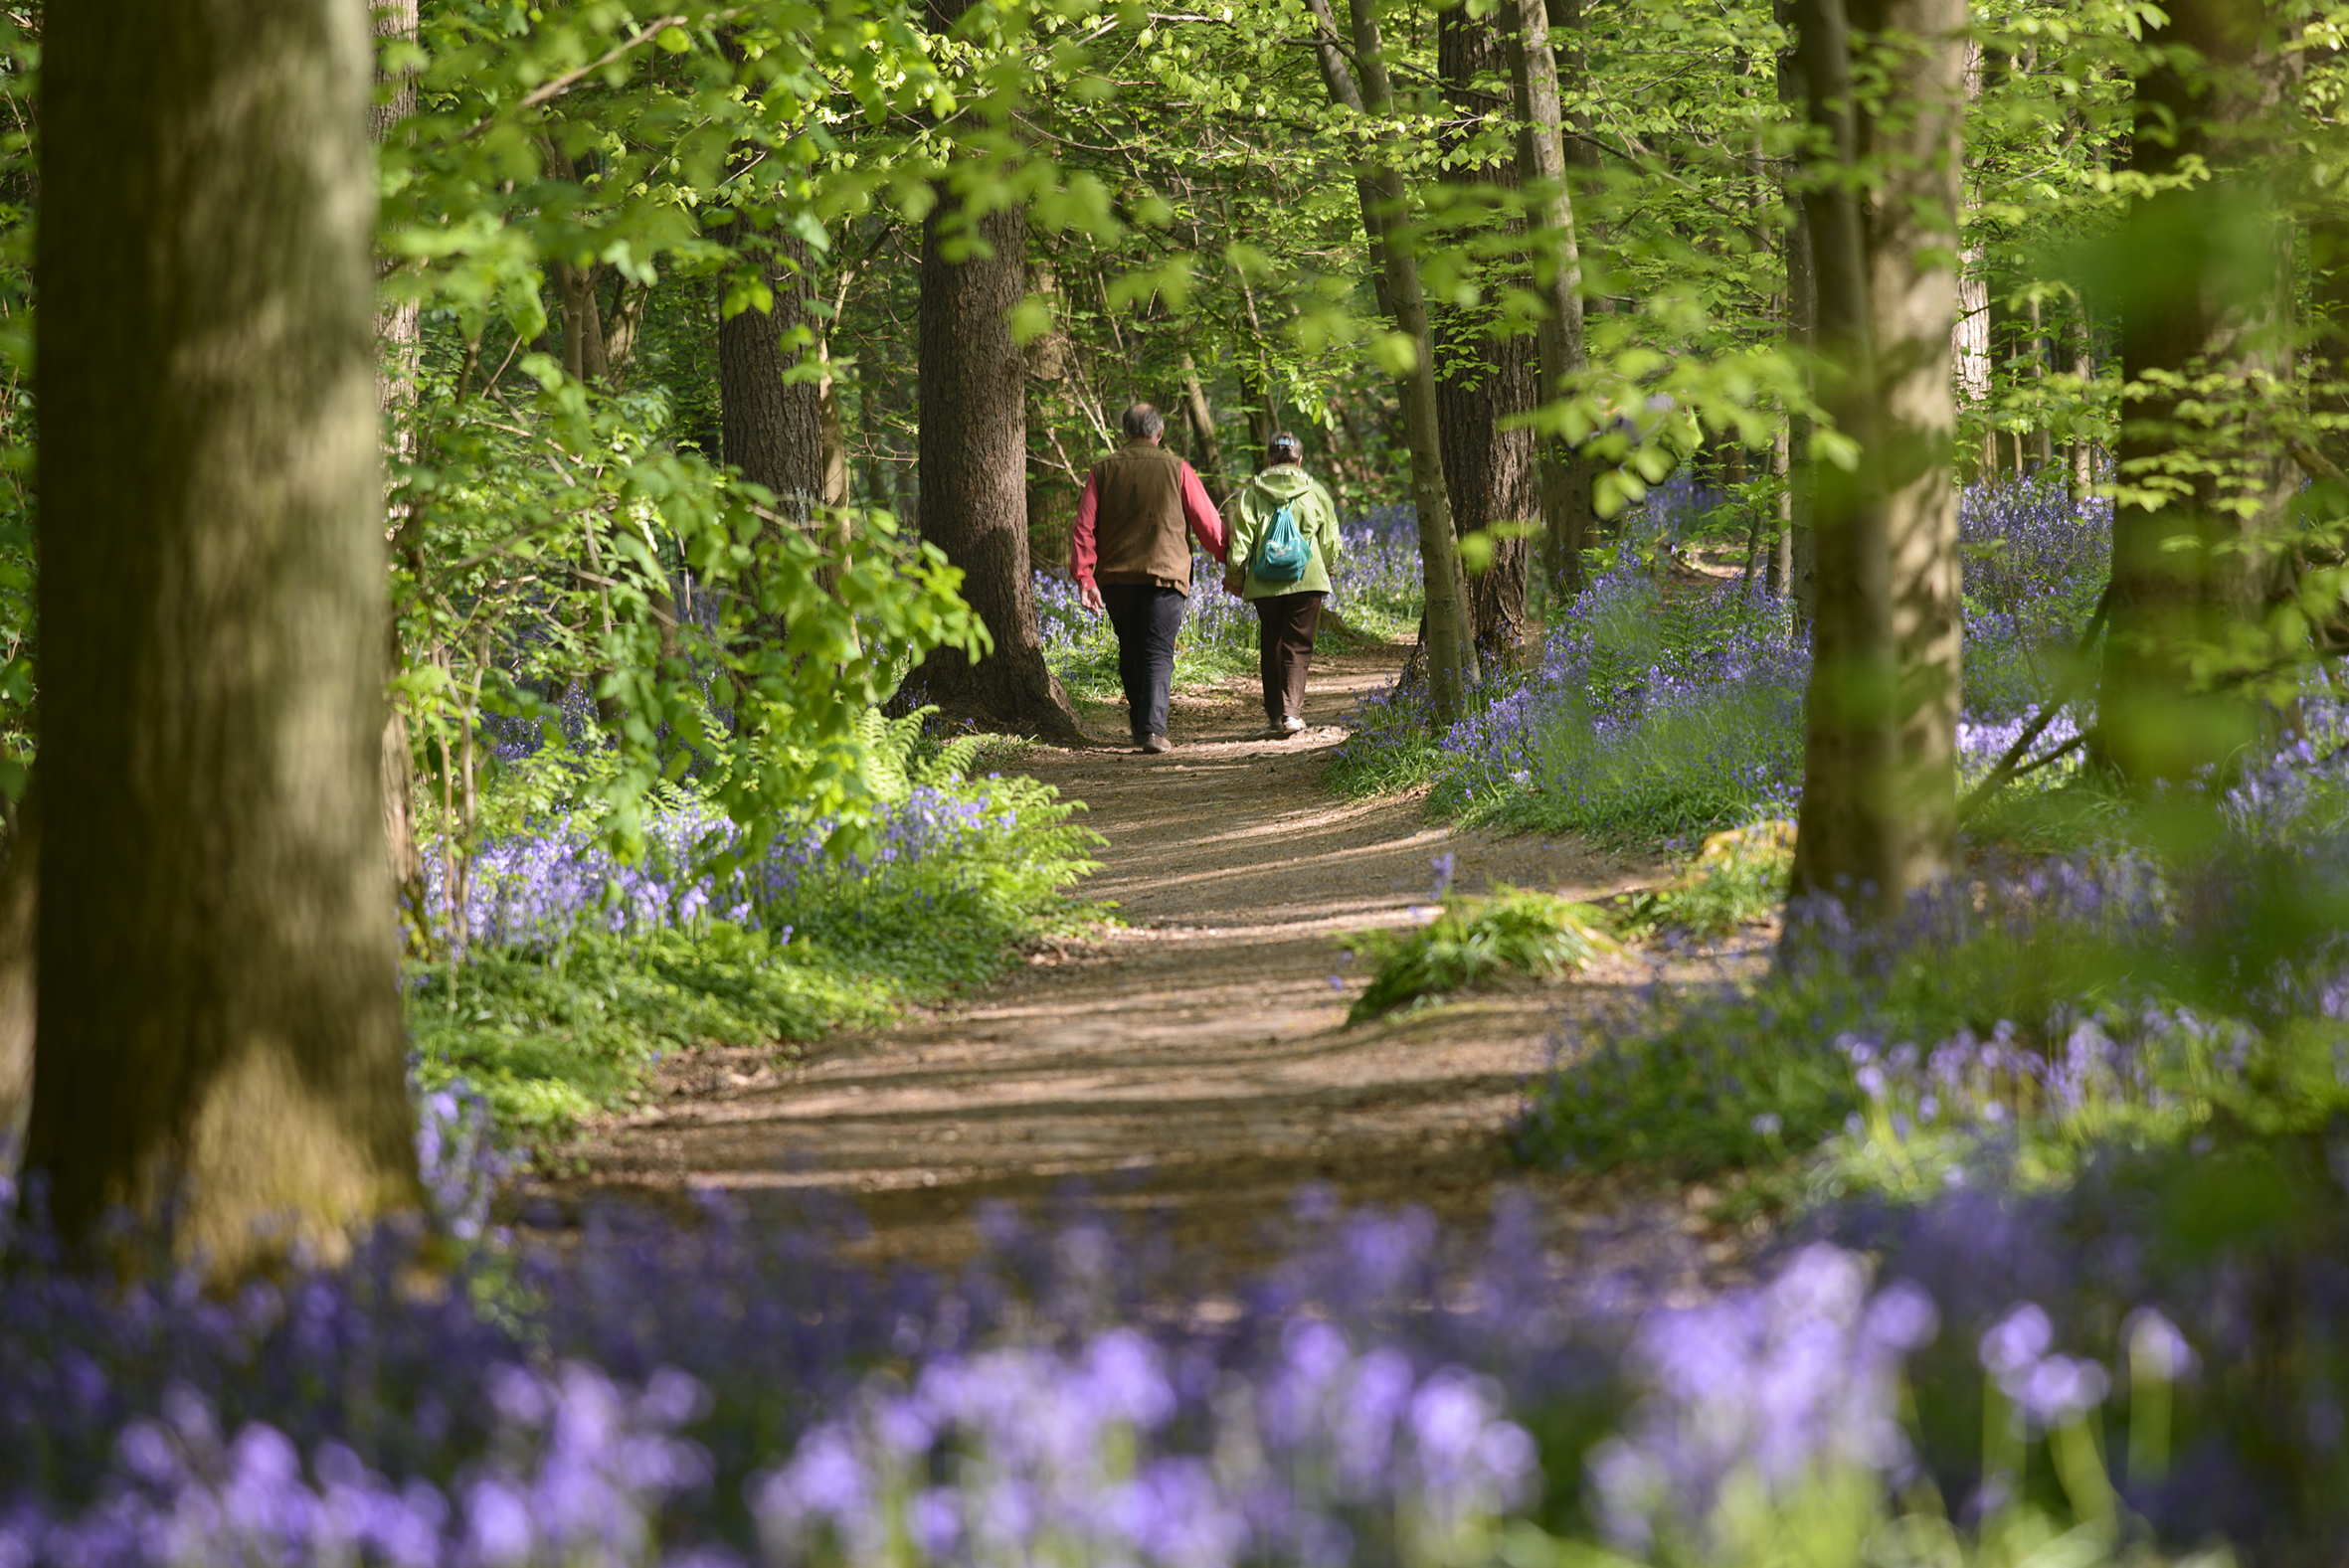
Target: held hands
[1089,596]
[1234,578]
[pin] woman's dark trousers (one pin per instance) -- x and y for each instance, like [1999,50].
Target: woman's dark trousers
[1284,626]
[1146,617]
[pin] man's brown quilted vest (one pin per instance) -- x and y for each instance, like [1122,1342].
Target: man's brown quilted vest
[1138,525]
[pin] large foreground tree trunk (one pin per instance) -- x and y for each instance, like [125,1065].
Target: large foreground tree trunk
[974,467]
[1879,773]
[2208,282]
[1484,380]
[219,1021]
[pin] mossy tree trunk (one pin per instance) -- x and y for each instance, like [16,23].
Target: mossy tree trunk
[218,1031]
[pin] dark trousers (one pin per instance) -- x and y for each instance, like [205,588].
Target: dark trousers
[1146,617]
[1284,626]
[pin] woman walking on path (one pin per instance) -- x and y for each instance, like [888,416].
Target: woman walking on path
[1279,509]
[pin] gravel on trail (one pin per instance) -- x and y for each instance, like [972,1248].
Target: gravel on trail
[1191,1062]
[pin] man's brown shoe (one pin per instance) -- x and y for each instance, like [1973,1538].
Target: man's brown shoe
[1156,744]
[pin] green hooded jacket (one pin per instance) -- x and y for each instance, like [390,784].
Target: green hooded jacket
[1248,514]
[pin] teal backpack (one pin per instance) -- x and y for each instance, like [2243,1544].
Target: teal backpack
[1284,552]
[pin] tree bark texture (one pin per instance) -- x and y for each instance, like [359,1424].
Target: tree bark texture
[2208,295]
[1802,335]
[398,334]
[1781,569]
[1567,518]
[20,906]
[1449,642]
[974,467]
[398,325]
[1878,800]
[219,1038]
[1912,301]
[772,432]
[624,330]
[402,854]
[583,323]
[1201,415]
[1969,345]
[1484,380]
[2081,479]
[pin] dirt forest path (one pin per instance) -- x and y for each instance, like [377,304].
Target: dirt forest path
[1195,1060]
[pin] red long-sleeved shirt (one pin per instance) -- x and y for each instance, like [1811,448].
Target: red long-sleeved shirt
[1206,525]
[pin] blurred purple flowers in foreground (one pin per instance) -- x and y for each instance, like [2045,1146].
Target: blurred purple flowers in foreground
[1800,1376]
[721,1393]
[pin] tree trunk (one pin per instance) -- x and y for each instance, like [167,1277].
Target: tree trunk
[770,429]
[1969,344]
[624,330]
[1800,578]
[1912,301]
[2208,293]
[398,325]
[973,470]
[20,913]
[399,333]
[1201,415]
[2043,441]
[220,1039]
[772,432]
[1879,776]
[1484,380]
[396,762]
[1449,644]
[1564,474]
[583,325]
[2084,369]
[1781,577]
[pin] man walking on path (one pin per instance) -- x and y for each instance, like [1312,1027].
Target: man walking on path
[1131,558]
[1265,571]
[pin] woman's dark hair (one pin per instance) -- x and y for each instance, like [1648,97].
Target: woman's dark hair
[1285,448]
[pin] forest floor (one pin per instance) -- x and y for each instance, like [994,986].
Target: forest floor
[1190,1061]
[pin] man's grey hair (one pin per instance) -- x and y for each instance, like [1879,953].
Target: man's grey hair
[1142,421]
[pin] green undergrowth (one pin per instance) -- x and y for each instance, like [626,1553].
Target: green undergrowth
[2039,1015]
[1471,940]
[1738,877]
[549,1037]
[1706,1081]
[568,1018]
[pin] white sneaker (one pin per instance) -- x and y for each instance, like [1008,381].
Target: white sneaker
[1292,725]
